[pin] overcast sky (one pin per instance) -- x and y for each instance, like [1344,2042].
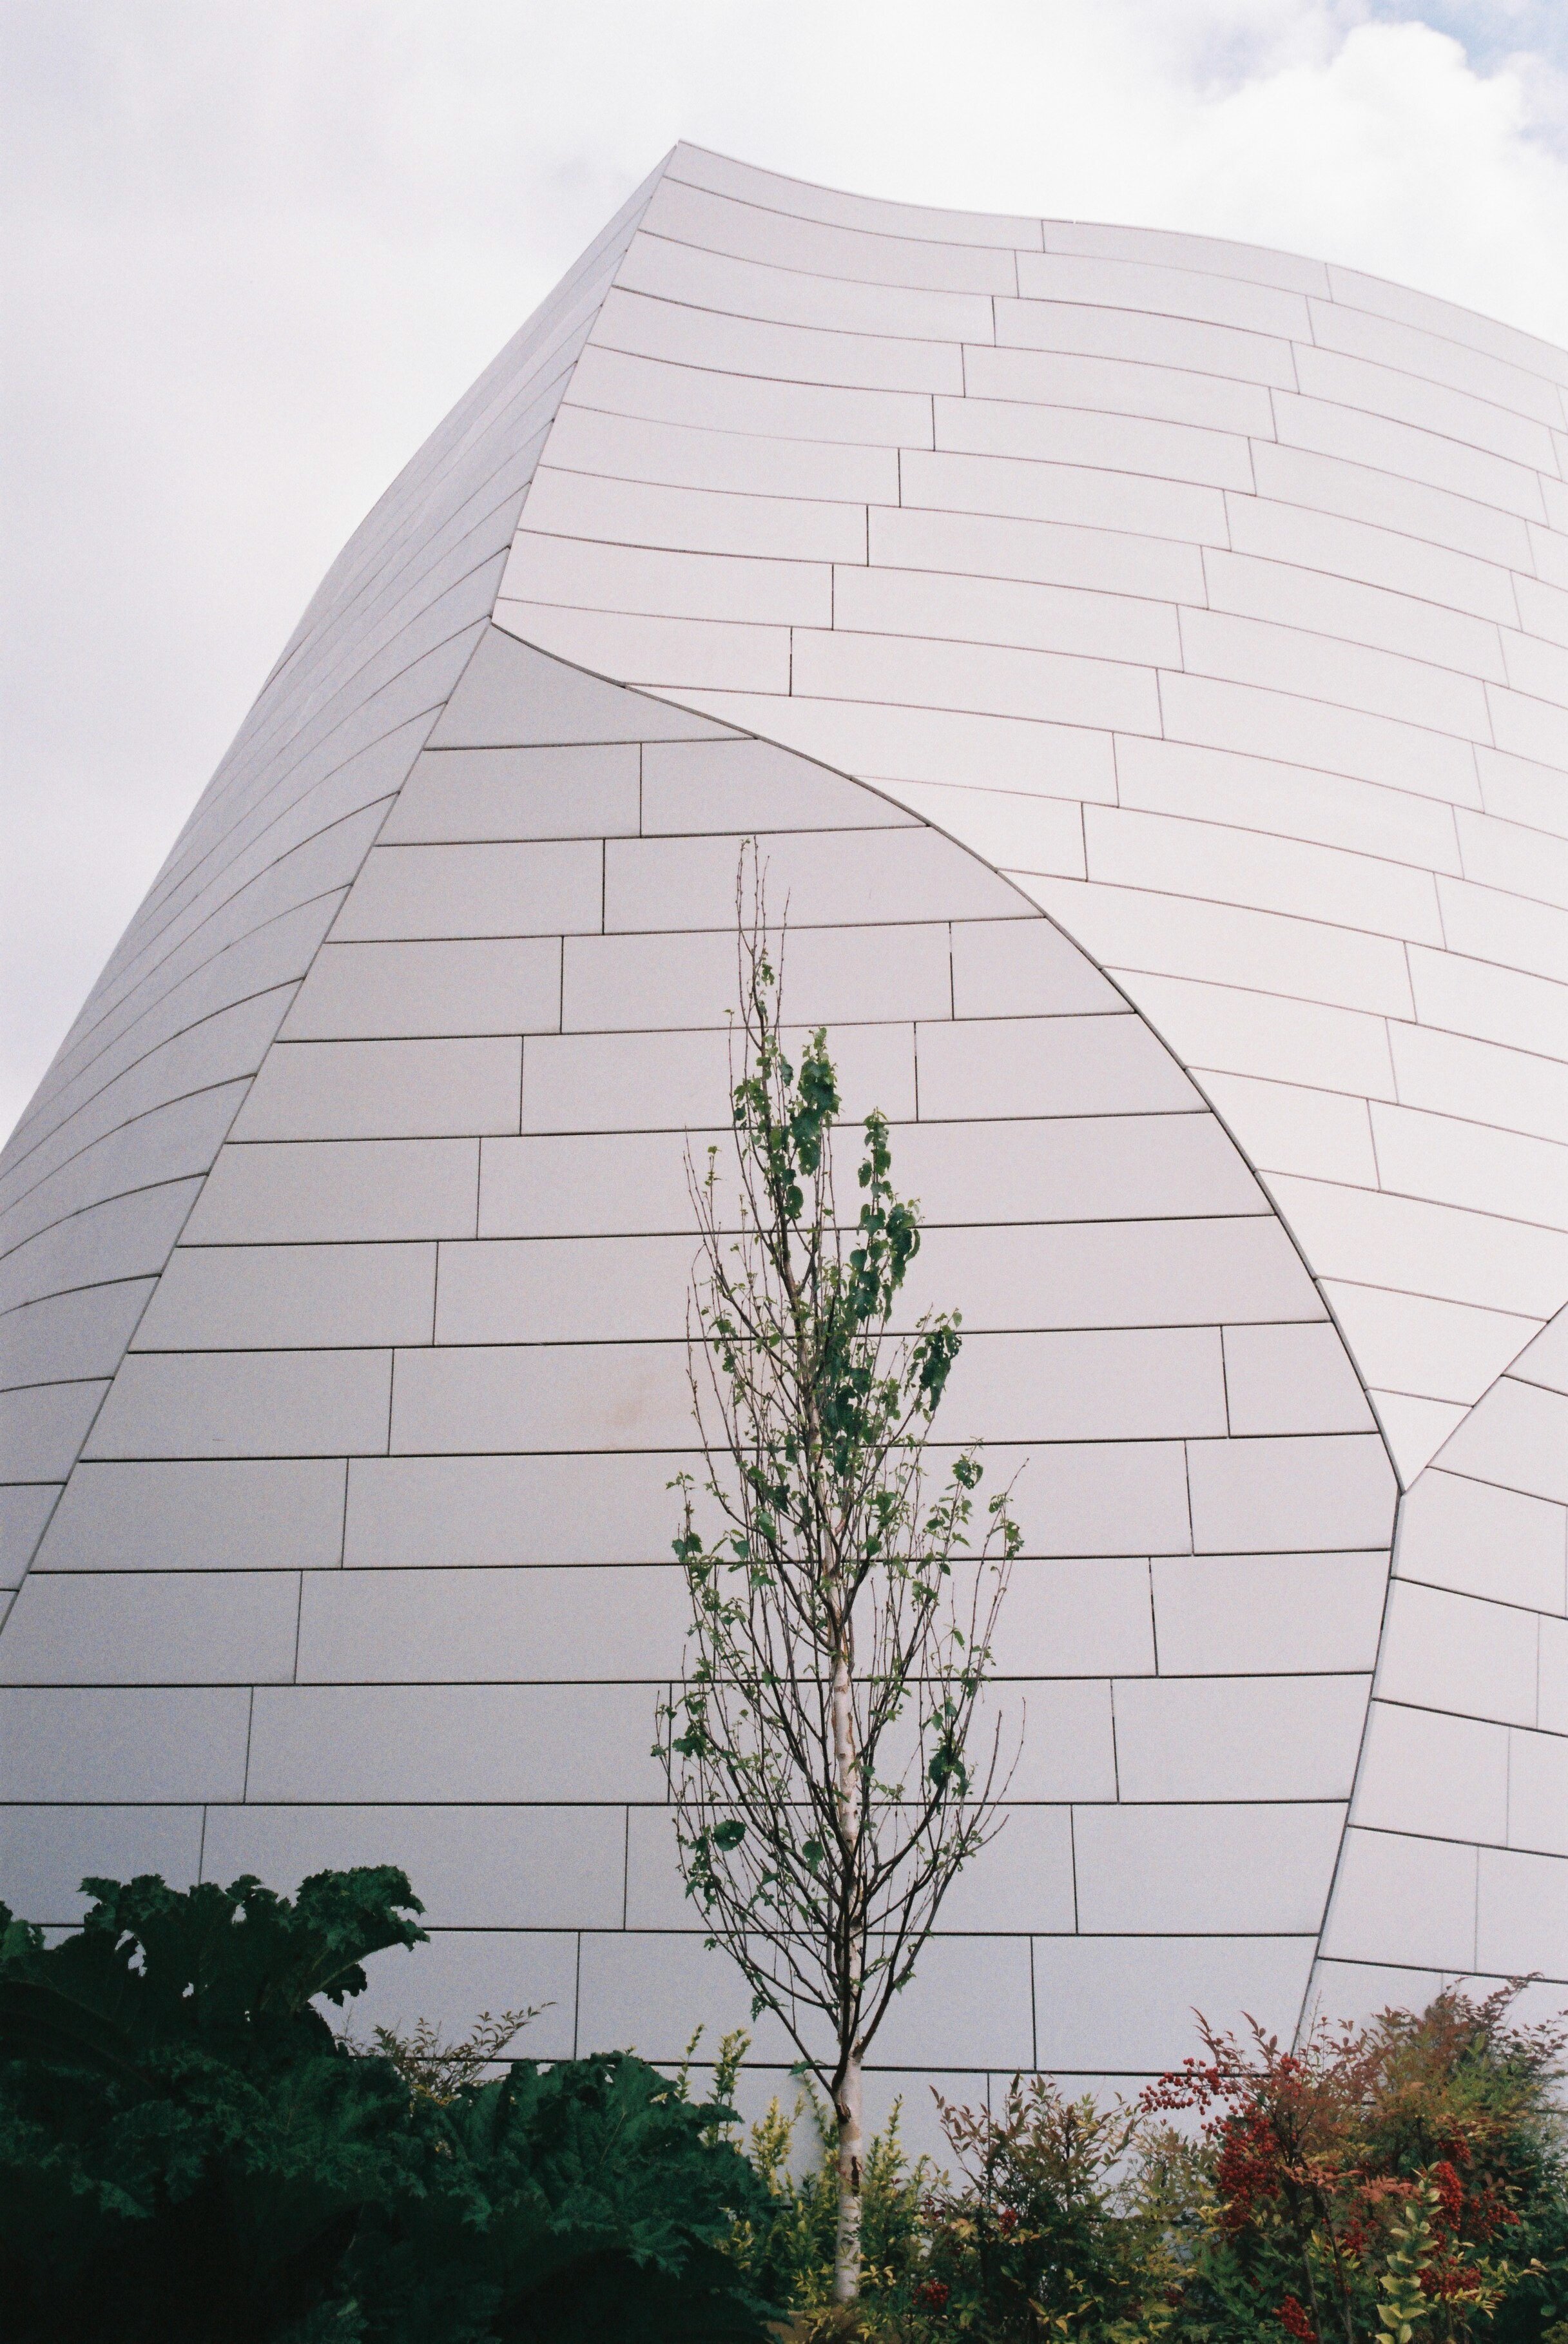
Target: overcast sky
[257,248]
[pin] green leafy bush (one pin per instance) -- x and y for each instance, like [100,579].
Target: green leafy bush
[187,2151]
[1052,2232]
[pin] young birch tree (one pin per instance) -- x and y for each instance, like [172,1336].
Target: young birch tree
[819,1748]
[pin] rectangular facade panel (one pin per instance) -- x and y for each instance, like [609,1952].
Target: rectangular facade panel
[692,882]
[628,982]
[1292,1379]
[745,787]
[535,887]
[46,1854]
[1239,1737]
[1172,292]
[693,519]
[1116,2005]
[629,383]
[1247,1496]
[582,1746]
[1077,1619]
[927,672]
[1052,1065]
[384,1090]
[43,1425]
[979,610]
[1146,339]
[413,1626]
[626,446]
[182,1744]
[1062,1168]
[240,1515]
[1142,1274]
[677,1082]
[604,1184]
[1210,1871]
[1051,553]
[1419,1893]
[472,1867]
[364,992]
[541,1396]
[1015,489]
[247,1404]
[1452,1653]
[386,1189]
[1331,482]
[222,1627]
[1483,1541]
[1144,1384]
[1438,1776]
[1304,960]
[69,1337]
[1112,387]
[416,1512]
[271,1297]
[646,328]
[457,795]
[1243,1614]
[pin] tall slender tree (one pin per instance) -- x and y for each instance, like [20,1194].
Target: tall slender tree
[829,1757]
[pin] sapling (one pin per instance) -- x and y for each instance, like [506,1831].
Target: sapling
[830,1760]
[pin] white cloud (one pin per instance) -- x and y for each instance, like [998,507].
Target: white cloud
[264,246]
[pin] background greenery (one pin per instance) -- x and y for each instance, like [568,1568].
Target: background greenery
[188,2151]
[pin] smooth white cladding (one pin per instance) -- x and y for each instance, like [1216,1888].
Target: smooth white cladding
[1220,597]
[367,1555]
[99,1175]
[1456,1859]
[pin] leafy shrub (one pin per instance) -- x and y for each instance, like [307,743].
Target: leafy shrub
[1403,2181]
[187,2151]
[1052,2231]
[788,2248]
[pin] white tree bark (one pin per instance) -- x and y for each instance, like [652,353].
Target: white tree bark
[850,2113]
[848,2107]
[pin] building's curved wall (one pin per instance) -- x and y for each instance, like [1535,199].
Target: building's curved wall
[367,1556]
[101,1172]
[1456,1859]
[1219,595]
[1209,594]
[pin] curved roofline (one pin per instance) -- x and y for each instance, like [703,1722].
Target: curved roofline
[1045,221]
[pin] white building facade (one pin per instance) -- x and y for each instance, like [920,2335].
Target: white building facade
[1145,663]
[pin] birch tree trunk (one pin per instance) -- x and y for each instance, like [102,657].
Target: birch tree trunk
[848,2107]
[850,2113]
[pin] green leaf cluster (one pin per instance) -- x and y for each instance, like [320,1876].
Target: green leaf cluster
[188,2152]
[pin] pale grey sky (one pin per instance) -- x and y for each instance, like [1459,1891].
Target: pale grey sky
[258,247]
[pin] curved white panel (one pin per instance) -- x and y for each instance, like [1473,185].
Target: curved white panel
[1217,599]
[367,1555]
[1456,1861]
[102,1169]
[1220,596]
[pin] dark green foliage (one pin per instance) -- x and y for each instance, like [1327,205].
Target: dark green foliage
[188,2152]
[178,2126]
[585,2201]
